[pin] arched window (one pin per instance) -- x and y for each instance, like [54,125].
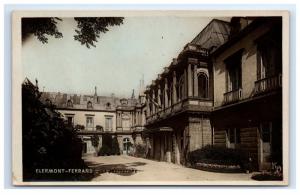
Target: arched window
[89,105]
[202,85]
[108,105]
[69,104]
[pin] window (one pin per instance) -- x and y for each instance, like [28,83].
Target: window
[89,105]
[70,120]
[266,132]
[108,105]
[268,57]
[69,104]
[234,73]
[108,123]
[90,122]
[125,122]
[233,137]
[202,85]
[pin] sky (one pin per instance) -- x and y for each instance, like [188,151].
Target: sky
[137,49]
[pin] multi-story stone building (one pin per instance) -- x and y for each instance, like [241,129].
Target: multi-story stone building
[98,115]
[180,100]
[223,89]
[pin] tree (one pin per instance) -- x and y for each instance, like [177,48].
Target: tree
[87,32]
[95,143]
[47,142]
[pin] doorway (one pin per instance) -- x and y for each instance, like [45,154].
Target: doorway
[265,145]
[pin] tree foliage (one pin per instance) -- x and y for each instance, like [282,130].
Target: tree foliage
[47,142]
[87,31]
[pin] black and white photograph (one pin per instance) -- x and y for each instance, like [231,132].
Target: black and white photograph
[150,97]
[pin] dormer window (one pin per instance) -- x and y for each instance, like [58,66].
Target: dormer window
[69,104]
[89,105]
[108,105]
[124,102]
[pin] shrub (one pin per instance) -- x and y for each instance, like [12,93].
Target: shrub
[140,150]
[110,145]
[218,155]
[267,177]
[105,151]
[115,149]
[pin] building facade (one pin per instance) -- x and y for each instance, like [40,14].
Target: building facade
[247,90]
[180,100]
[98,115]
[223,89]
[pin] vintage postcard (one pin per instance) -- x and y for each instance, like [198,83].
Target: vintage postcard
[150,97]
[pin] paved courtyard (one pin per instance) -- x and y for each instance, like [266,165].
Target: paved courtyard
[128,168]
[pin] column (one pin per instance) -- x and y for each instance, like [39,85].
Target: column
[148,105]
[189,83]
[153,99]
[162,146]
[195,82]
[185,84]
[168,143]
[174,95]
[166,101]
[158,96]
[176,149]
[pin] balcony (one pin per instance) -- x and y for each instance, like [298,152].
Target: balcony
[189,104]
[232,96]
[268,84]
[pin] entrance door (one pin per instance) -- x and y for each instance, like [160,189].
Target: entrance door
[126,145]
[265,145]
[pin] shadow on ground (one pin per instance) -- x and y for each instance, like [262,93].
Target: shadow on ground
[124,169]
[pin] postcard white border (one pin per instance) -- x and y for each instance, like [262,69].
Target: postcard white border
[17,81]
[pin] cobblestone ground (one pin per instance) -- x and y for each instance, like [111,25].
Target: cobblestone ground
[127,168]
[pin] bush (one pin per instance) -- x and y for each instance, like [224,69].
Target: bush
[110,145]
[218,155]
[267,177]
[115,149]
[105,151]
[140,150]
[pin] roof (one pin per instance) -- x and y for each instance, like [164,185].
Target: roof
[80,101]
[213,35]
[241,34]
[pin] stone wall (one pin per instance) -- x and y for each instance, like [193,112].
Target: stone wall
[200,132]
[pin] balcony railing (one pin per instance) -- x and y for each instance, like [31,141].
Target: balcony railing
[190,104]
[268,84]
[233,96]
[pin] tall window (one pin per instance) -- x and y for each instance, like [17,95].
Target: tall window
[234,73]
[108,123]
[125,122]
[233,137]
[89,122]
[202,85]
[268,57]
